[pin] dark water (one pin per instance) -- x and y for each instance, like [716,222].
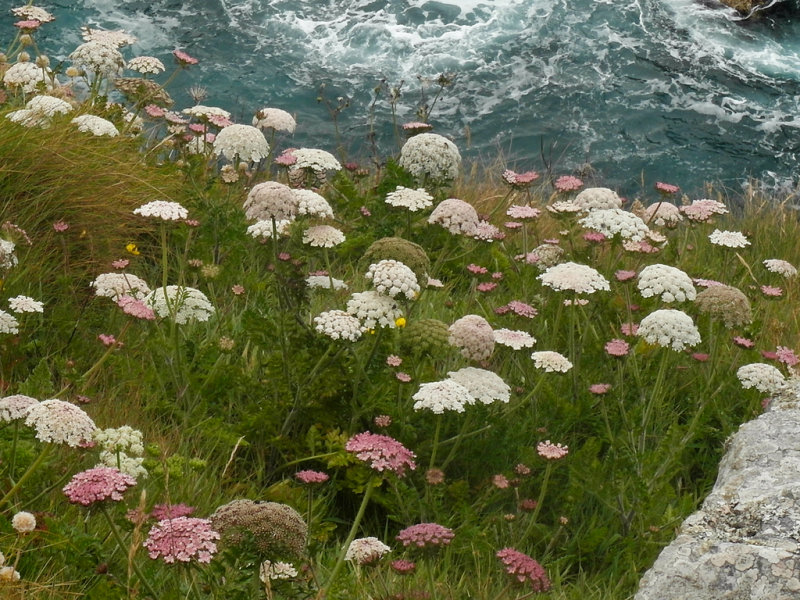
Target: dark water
[643,90]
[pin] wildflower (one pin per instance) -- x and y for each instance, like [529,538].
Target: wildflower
[403,567]
[263,229]
[425,535]
[98,58]
[519,180]
[434,477]
[455,215]
[528,505]
[34,13]
[120,263]
[519,308]
[117,285]
[270,571]
[182,539]
[310,477]
[271,200]
[315,160]
[393,278]
[473,335]
[663,214]
[781,267]
[477,269]
[702,210]
[551,361]
[615,221]
[515,339]
[523,212]
[8,324]
[500,482]
[338,325]
[595,237]
[107,340]
[581,279]
[59,422]
[487,232]
[415,127]
[95,125]
[617,347]
[700,356]
[112,39]
[23,522]
[393,360]
[274,529]
[323,281]
[25,304]
[403,377]
[136,308]
[242,141]
[774,292]
[162,209]
[524,569]
[668,327]
[400,322]
[366,551]
[441,396]
[323,236]
[237,289]
[484,386]
[743,342]
[182,304]
[599,388]
[15,407]
[146,65]
[374,308]
[132,248]
[765,378]
[431,156]
[382,452]
[312,204]
[27,76]
[275,119]
[564,207]
[486,286]
[597,198]
[673,285]
[8,574]
[726,303]
[97,485]
[568,183]
[787,356]
[382,421]
[551,451]
[728,239]
[413,200]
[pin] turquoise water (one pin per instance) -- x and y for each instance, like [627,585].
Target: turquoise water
[642,90]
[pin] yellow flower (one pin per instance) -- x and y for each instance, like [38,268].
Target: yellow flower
[400,322]
[131,247]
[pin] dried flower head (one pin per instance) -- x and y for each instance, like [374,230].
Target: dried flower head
[726,303]
[274,529]
[544,256]
[23,522]
[182,539]
[425,336]
[383,453]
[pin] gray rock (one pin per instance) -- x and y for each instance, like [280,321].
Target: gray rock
[744,542]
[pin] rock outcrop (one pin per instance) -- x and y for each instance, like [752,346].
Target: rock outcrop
[744,542]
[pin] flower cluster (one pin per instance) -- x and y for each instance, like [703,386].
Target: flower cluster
[182,539]
[425,535]
[551,451]
[97,485]
[669,328]
[315,160]
[781,267]
[615,221]
[663,214]
[312,204]
[323,236]
[182,304]
[273,528]
[702,210]
[162,209]
[431,156]
[393,278]
[23,522]
[383,453]
[551,361]
[117,285]
[271,200]
[146,65]
[275,119]
[455,215]
[544,256]
[25,304]
[270,571]
[15,407]
[60,422]
[728,239]
[673,285]
[411,199]
[765,378]
[524,569]
[474,336]
[97,126]
[325,282]
[441,396]
[484,386]
[308,476]
[726,303]
[366,551]
[514,338]
[597,199]
[243,141]
[373,309]
[581,279]
[99,58]
[8,323]
[338,325]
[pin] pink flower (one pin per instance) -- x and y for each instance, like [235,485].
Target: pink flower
[28,25]
[404,377]
[551,451]
[182,539]
[769,290]
[623,275]
[393,360]
[183,59]
[516,211]
[769,355]
[743,342]
[97,485]
[497,276]
[309,477]
[383,453]
[667,188]
[365,211]
[617,347]
[108,340]
[382,421]
[599,388]
[284,256]
[477,269]
[787,356]
[518,308]
[220,121]
[121,263]
[417,127]
[171,511]
[60,226]
[403,567]
[524,569]
[486,286]
[629,329]
[154,111]
[528,505]
[136,308]
[519,179]
[700,357]
[426,534]
[594,236]
[500,482]
[512,224]
[522,469]
[287,158]
[568,183]
[237,290]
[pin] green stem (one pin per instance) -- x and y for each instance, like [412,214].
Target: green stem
[122,547]
[34,465]
[435,441]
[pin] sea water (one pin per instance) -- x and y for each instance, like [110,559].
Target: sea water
[631,91]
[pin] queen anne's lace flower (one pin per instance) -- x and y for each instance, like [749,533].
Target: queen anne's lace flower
[315,160]
[323,236]
[615,221]
[411,199]
[765,378]
[23,522]
[263,229]
[275,119]
[673,285]
[663,214]
[27,76]
[473,335]
[59,422]
[122,439]
[98,485]
[702,210]
[484,386]
[146,65]
[597,198]
[244,141]
[98,57]
[34,13]
[117,285]
[551,361]
[366,551]
[95,125]
[271,200]
[425,535]
[338,325]
[383,453]
[113,39]
[781,267]
[129,465]
[183,304]
[441,396]
[726,303]
[432,156]
[203,112]
[312,204]
[270,571]
[729,239]
[183,539]
[162,209]
[514,338]
[570,276]
[455,215]
[523,568]
[42,108]
[325,282]
[669,328]
[391,277]
[25,304]
[8,323]
[15,407]
[551,451]
[374,309]
[544,256]
[516,211]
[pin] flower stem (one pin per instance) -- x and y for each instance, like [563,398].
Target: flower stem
[34,465]
[121,544]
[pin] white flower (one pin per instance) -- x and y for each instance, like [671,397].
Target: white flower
[487,232]
[364,551]
[263,229]
[312,204]
[7,257]
[338,325]
[276,570]
[597,198]
[8,574]
[114,39]
[581,279]
[672,284]
[413,200]
[146,64]
[373,308]
[25,304]
[244,141]
[323,236]
[564,207]
[765,378]
[60,422]
[441,396]
[663,214]
[130,465]
[23,522]
[122,439]
[316,160]
[473,335]
[27,76]
[669,328]
[323,281]
[97,126]
[514,338]
[432,156]
[729,239]
[551,361]
[48,106]
[201,111]
[162,209]
[271,200]
[274,118]
[702,210]
[98,57]
[615,221]
[781,267]
[116,285]
[484,386]
[183,304]
[15,407]
[8,324]
[392,277]
[455,215]
[34,13]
